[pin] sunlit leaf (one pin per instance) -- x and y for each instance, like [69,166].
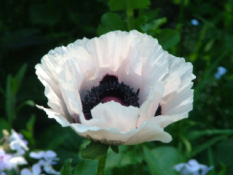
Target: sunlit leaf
[110,22]
[86,167]
[168,38]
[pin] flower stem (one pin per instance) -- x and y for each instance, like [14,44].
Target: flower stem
[101,165]
[130,14]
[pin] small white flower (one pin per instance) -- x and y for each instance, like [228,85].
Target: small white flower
[15,161]
[17,143]
[120,88]
[220,72]
[36,170]
[192,168]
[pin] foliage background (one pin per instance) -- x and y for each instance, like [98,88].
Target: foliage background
[30,28]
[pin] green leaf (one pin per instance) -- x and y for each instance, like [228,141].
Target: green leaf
[153,25]
[197,134]
[19,78]
[25,103]
[29,131]
[116,5]
[67,169]
[129,155]
[85,167]
[161,160]
[94,150]
[10,102]
[110,22]
[115,149]
[207,144]
[223,169]
[223,156]
[168,38]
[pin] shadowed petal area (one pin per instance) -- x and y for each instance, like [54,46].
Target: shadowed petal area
[110,136]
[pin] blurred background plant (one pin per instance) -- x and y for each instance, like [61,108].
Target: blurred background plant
[200,31]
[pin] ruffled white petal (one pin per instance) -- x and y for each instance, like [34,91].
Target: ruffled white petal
[149,131]
[57,116]
[165,120]
[105,135]
[177,98]
[150,105]
[114,115]
[52,91]
[70,80]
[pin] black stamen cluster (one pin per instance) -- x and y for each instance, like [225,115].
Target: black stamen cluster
[109,87]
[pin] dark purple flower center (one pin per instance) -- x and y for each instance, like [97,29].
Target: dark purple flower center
[109,89]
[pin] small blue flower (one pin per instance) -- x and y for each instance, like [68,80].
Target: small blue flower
[220,72]
[36,170]
[46,160]
[195,22]
[192,168]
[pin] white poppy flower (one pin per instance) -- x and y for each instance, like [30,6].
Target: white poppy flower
[120,88]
